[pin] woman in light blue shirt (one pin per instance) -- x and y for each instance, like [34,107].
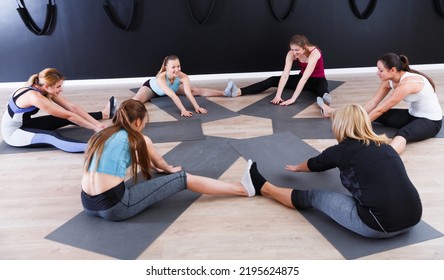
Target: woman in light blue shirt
[171,81]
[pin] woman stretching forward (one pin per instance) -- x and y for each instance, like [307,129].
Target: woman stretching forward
[382,203]
[121,146]
[171,81]
[20,128]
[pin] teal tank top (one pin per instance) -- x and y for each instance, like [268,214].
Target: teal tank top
[116,157]
[157,90]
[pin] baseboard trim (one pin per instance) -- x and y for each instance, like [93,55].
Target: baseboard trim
[206,77]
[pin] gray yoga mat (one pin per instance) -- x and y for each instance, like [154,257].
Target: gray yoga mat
[159,132]
[210,157]
[215,111]
[305,128]
[320,128]
[124,240]
[128,239]
[265,109]
[273,152]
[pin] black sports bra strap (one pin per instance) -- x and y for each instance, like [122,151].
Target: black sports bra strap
[15,97]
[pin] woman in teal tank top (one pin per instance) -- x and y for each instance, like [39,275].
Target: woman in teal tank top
[120,150]
[171,81]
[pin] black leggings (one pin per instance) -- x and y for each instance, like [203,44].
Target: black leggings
[411,128]
[50,122]
[319,86]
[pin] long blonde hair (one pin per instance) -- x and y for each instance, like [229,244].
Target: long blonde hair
[165,62]
[352,121]
[129,111]
[48,76]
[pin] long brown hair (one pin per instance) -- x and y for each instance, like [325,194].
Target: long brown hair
[303,42]
[401,63]
[128,113]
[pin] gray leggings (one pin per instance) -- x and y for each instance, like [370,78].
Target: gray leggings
[341,208]
[141,195]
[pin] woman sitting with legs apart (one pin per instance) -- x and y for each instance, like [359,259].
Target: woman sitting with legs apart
[171,81]
[423,118]
[382,203]
[44,92]
[122,145]
[311,76]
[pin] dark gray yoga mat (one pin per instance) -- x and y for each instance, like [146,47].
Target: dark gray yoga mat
[124,240]
[320,128]
[174,131]
[159,132]
[273,152]
[210,157]
[305,128]
[215,111]
[265,109]
[128,239]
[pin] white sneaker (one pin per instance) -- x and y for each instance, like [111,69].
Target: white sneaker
[246,180]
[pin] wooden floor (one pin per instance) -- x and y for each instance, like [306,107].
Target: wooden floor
[40,192]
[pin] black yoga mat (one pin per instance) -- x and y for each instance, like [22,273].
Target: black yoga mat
[265,109]
[128,239]
[215,111]
[273,152]
[159,132]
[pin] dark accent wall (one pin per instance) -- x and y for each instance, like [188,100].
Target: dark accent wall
[240,36]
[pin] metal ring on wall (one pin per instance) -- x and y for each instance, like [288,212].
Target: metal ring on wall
[113,17]
[289,12]
[30,23]
[210,11]
[367,12]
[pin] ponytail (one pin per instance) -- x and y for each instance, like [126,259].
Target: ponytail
[48,76]
[34,79]
[165,62]
[401,63]
[128,112]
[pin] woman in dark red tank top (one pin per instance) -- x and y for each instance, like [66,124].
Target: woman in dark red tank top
[311,77]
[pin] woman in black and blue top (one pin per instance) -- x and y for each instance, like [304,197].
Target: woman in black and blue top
[20,128]
[382,203]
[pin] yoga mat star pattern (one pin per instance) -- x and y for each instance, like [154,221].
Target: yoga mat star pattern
[273,152]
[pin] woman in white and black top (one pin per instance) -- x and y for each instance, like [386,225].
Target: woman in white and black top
[423,118]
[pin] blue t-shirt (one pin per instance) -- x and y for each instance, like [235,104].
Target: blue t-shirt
[116,157]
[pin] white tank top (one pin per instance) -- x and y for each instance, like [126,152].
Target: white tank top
[425,103]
